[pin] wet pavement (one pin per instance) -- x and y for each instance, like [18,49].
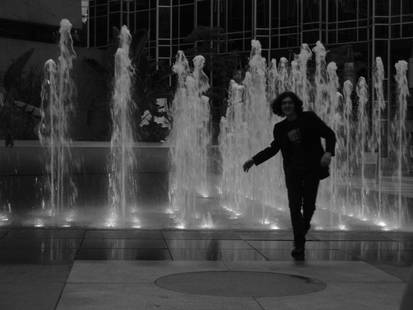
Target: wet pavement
[35,263]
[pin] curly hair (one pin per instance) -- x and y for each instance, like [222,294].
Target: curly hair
[276,104]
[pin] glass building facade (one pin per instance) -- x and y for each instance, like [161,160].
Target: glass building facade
[354,31]
[278,24]
[363,29]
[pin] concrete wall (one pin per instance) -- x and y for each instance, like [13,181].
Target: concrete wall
[48,12]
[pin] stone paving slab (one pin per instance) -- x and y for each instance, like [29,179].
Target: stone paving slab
[134,271]
[146,296]
[37,256]
[207,243]
[350,235]
[199,234]
[26,295]
[213,254]
[130,285]
[328,271]
[401,272]
[124,234]
[112,243]
[29,233]
[342,296]
[9,242]
[287,245]
[310,254]
[123,254]
[33,273]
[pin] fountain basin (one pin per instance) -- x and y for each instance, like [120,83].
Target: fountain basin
[88,157]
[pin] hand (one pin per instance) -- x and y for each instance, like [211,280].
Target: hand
[248,164]
[326,159]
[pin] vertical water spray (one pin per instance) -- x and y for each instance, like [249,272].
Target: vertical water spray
[233,143]
[335,122]
[362,136]
[348,140]
[272,81]
[181,69]
[258,113]
[198,84]
[399,132]
[122,159]
[189,140]
[375,144]
[304,84]
[354,140]
[294,79]
[57,98]
[320,85]
[283,75]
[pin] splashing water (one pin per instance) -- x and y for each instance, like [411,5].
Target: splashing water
[56,105]
[351,191]
[321,92]
[272,81]
[122,159]
[399,132]
[375,143]
[246,128]
[259,123]
[304,84]
[189,140]
[232,144]
[283,76]
[335,123]
[348,156]
[362,134]
[294,80]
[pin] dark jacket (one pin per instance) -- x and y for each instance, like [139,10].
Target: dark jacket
[312,128]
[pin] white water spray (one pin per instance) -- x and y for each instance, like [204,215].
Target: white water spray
[57,96]
[122,158]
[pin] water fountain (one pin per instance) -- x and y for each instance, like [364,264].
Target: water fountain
[335,123]
[232,144]
[375,143]
[188,141]
[122,160]
[361,142]
[347,154]
[399,134]
[352,198]
[353,194]
[304,84]
[272,80]
[57,104]
[320,84]
[283,76]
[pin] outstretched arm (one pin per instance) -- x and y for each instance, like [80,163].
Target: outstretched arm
[266,153]
[262,156]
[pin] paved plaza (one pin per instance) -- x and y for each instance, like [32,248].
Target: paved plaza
[198,269]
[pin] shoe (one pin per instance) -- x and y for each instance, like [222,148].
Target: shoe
[298,253]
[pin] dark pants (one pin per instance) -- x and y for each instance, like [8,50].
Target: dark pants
[302,189]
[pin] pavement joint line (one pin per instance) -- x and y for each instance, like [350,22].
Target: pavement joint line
[70,271]
[226,266]
[167,245]
[258,303]
[258,251]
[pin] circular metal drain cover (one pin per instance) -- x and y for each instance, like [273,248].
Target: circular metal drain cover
[240,284]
